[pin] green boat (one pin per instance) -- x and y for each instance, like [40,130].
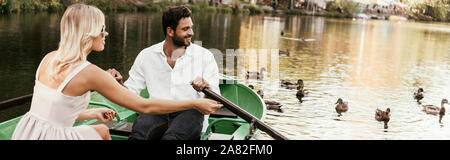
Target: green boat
[223,125]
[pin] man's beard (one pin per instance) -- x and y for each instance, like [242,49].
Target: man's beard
[178,41]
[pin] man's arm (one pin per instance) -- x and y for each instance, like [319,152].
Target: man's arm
[136,80]
[211,72]
[210,75]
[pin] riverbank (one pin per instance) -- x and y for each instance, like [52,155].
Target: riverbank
[421,12]
[347,59]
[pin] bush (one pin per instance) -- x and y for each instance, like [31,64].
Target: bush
[202,3]
[235,6]
[244,11]
[435,10]
[195,8]
[210,9]
[28,5]
[254,9]
[267,9]
[346,7]
[226,10]
[125,5]
[439,10]
[294,12]
[55,6]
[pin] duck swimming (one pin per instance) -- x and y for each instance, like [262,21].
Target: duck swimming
[260,93]
[341,106]
[287,53]
[383,116]
[300,84]
[435,110]
[270,105]
[300,94]
[290,85]
[273,105]
[418,95]
[256,75]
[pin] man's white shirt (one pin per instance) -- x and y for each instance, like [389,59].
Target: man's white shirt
[151,70]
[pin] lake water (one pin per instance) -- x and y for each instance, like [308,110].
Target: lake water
[371,64]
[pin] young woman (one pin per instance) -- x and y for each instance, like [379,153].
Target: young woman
[65,78]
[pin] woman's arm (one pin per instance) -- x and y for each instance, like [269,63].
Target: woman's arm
[102,82]
[101,114]
[86,114]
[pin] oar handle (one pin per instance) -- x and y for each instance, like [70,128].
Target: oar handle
[243,114]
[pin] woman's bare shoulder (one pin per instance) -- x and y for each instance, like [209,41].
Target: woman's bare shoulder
[48,55]
[95,74]
[93,70]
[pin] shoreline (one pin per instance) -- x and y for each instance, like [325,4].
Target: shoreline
[127,6]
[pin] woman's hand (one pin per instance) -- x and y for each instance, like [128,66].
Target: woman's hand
[207,106]
[104,115]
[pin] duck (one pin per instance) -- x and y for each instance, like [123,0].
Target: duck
[300,94]
[291,85]
[341,106]
[270,105]
[251,87]
[285,82]
[260,93]
[288,85]
[383,116]
[300,90]
[435,110]
[273,105]
[418,95]
[256,75]
[287,53]
[300,84]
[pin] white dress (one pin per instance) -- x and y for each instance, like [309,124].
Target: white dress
[52,114]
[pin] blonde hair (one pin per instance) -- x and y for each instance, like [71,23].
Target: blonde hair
[80,24]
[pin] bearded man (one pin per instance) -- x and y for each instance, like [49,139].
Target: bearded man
[169,70]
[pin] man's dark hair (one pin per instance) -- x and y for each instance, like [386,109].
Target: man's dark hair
[172,15]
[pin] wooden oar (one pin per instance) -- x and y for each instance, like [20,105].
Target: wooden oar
[243,114]
[15,101]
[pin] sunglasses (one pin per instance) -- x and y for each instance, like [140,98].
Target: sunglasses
[103,32]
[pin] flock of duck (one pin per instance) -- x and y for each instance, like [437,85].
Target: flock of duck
[341,105]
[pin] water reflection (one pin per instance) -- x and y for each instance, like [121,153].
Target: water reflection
[370,64]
